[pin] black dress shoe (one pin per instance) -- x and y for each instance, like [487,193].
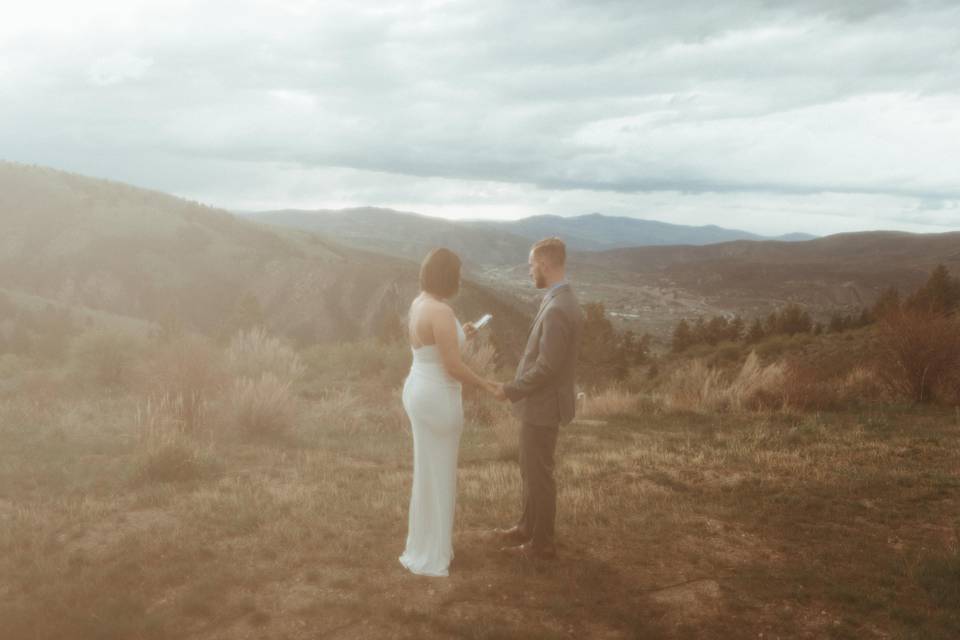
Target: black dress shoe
[530,551]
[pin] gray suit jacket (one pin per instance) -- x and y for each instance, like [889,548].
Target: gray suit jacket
[543,390]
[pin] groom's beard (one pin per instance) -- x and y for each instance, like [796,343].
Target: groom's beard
[539,281]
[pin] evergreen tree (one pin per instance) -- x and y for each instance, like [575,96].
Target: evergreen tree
[793,320]
[637,350]
[887,303]
[836,323]
[716,330]
[682,337]
[735,329]
[756,333]
[600,354]
[940,294]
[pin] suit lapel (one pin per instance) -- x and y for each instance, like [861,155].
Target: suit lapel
[543,305]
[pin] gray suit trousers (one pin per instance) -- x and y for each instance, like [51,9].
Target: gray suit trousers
[537,446]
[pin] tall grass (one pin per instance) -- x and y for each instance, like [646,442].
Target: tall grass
[698,387]
[254,353]
[187,374]
[609,403]
[264,406]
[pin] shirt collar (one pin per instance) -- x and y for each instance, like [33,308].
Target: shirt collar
[562,283]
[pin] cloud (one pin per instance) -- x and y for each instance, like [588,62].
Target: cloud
[118,68]
[606,102]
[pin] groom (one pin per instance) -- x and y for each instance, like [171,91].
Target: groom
[543,398]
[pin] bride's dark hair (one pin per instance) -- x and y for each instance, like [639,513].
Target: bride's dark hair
[440,273]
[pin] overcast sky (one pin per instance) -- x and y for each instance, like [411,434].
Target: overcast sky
[770,116]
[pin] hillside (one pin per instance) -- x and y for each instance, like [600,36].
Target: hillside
[408,235]
[838,273]
[139,253]
[842,268]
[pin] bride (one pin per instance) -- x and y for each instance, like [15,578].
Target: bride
[432,400]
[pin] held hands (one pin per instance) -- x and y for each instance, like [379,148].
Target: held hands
[469,331]
[496,389]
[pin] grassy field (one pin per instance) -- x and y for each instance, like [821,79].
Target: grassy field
[671,525]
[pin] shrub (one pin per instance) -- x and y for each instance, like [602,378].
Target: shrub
[698,387]
[479,406]
[693,386]
[807,389]
[264,407]
[360,361]
[757,386]
[611,402]
[186,374]
[253,353]
[920,354]
[106,357]
[175,461]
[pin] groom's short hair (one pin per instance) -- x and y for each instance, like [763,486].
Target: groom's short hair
[553,250]
[440,273]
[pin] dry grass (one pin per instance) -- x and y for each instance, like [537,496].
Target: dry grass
[671,525]
[188,373]
[696,386]
[253,353]
[612,402]
[264,407]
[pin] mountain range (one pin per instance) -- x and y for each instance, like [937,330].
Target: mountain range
[493,242]
[101,246]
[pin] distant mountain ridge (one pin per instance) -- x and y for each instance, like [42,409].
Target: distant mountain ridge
[488,242]
[598,232]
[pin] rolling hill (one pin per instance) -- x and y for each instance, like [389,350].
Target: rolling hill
[839,273]
[101,245]
[408,235]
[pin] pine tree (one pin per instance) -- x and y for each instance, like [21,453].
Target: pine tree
[836,323]
[601,355]
[756,333]
[940,294]
[735,329]
[887,303]
[682,337]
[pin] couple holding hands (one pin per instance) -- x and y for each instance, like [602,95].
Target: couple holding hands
[542,396]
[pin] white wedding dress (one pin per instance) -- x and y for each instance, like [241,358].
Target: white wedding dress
[433,402]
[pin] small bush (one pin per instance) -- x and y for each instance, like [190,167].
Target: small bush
[107,358]
[698,387]
[253,353]
[807,389]
[264,407]
[187,373]
[479,406]
[176,460]
[366,361]
[693,386]
[612,402]
[920,354]
[939,575]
